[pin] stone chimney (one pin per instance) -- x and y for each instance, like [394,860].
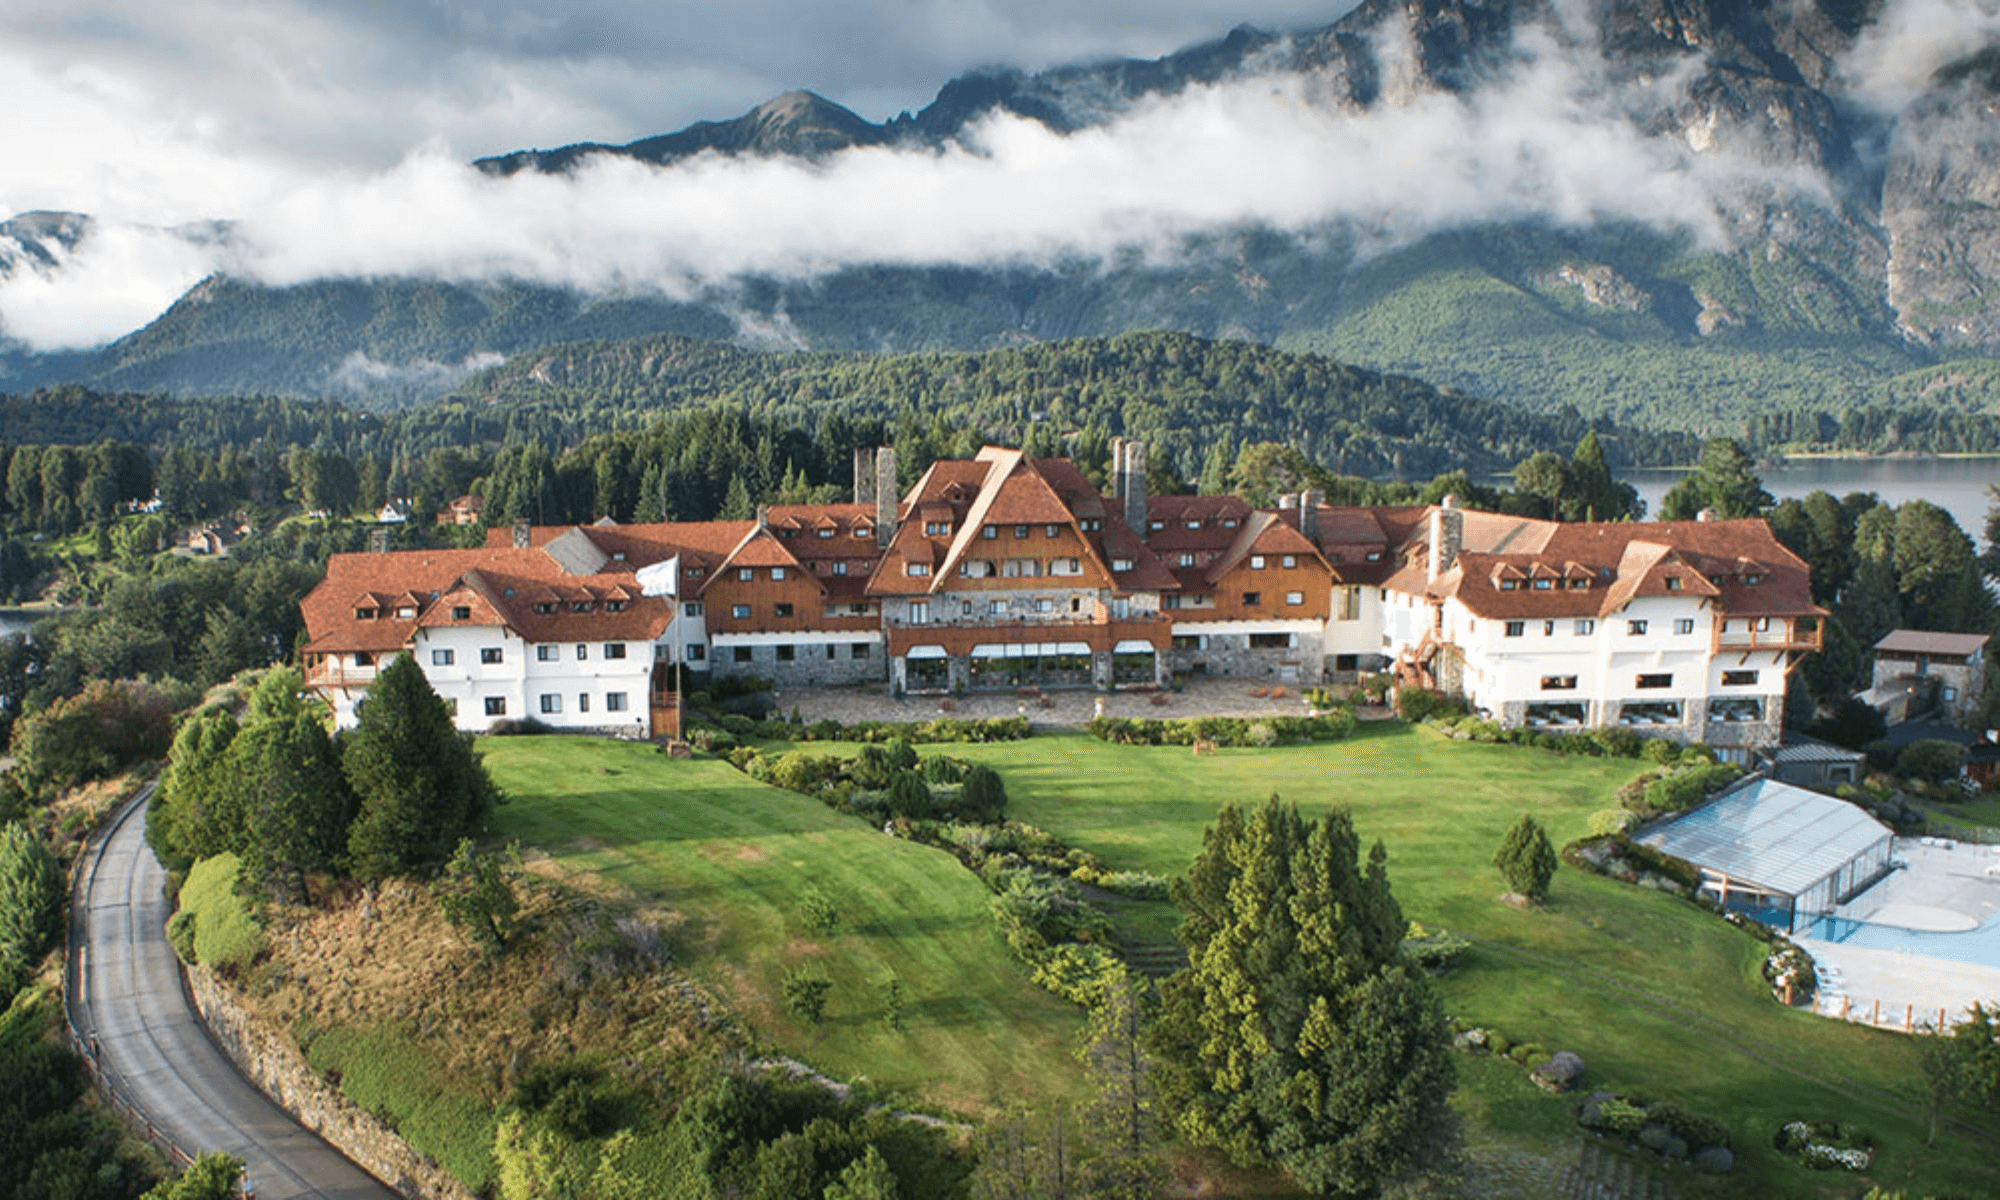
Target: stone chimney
[1309,502]
[1447,537]
[524,535]
[1128,481]
[1287,502]
[886,496]
[864,475]
[378,541]
[1708,514]
[763,516]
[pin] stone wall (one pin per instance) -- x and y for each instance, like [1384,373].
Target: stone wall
[1231,656]
[808,667]
[270,1060]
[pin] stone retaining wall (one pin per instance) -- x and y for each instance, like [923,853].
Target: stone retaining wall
[270,1060]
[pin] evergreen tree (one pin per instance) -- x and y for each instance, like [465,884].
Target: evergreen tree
[1526,859]
[1296,1037]
[1121,1119]
[210,1177]
[31,895]
[186,819]
[866,1178]
[1724,480]
[737,505]
[418,784]
[281,781]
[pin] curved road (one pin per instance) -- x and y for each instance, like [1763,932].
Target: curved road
[153,1048]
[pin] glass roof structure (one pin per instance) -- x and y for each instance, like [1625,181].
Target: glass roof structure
[1780,838]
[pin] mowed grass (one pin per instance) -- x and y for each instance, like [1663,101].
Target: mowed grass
[734,858]
[1659,997]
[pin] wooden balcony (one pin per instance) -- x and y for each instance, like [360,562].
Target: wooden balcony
[1791,633]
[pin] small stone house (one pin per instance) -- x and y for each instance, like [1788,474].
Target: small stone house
[1912,662]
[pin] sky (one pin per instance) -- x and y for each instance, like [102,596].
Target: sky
[335,135]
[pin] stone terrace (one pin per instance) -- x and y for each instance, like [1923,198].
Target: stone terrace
[1202,698]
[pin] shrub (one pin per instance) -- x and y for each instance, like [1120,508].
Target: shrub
[909,798]
[1526,859]
[1135,885]
[1620,1116]
[1693,1128]
[983,797]
[1079,973]
[1933,759]
[1611,820]
[1433,949]
[806,990]
[228,930]
[1659,751]
[941,770]
[821,914]
[1260,735]
[180,935]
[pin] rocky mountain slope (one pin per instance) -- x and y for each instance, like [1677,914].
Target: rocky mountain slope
[1814,233]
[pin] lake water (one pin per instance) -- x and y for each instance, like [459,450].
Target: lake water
[1957,485]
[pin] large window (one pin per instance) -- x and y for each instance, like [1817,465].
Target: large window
[614,702]
[614,649]
[1516,628]
[442,658]
[1739,679]
[1683,624]
[551,703]
[489,654]
[1635,628]
[546,653]
[742,654]
[696,652]
[781,611]
[496,706]
[1270,641]
[1558,683]
[1662,679]
[740,612]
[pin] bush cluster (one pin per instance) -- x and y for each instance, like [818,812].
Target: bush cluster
[1423,704]
[1435,950]
[1666,1129]
[941,731]
[1826,1145]
[1058,933]
[1612,741]
[1223,731]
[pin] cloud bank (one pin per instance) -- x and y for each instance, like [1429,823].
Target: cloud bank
[1553,140]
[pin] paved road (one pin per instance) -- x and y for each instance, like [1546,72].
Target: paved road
[154,1049]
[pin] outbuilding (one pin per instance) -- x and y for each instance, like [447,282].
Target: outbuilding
[1781,854]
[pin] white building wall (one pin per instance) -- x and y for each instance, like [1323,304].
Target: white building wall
[582,686]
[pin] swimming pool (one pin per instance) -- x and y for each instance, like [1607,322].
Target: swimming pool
[1974,947]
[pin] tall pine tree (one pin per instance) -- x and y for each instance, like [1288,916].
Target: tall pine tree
[419,786]
[1296,1036]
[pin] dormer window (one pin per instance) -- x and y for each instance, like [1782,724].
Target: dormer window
[364,614]
[1752,580]
[545,609]
[1543,585]
[1156,524]
[579,606]
[840,566]
[1187,560]
[1374,556]
[916,569]
[696,572]
[1229,522]
[614,606]
[1121,564]
[461,612]
[826,532]
[1576,584]
[937,528]
[1194,524]
[1091,524]
[1509,585]
[862,531]
[406,612]
[1673,583]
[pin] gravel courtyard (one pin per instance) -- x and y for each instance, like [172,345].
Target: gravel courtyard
[1202,698]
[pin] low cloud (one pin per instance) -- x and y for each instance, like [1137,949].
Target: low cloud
[1552,140]
[360,373]
[1893,60]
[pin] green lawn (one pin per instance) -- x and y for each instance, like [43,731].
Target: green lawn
[734,857]
[1658,997]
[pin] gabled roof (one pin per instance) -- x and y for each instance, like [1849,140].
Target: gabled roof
[1264,534]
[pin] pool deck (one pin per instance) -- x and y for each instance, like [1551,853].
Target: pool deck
[1943,888]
